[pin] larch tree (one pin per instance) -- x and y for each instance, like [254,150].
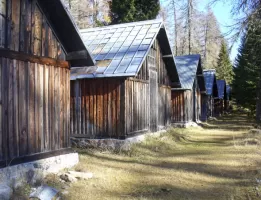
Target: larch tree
[123,11]
[224,67]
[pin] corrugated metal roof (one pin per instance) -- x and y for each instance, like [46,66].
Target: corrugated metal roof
[221,84]
[209,76]
[119,50]
[187,67]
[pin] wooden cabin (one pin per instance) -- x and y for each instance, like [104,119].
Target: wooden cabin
[35,39]
[186,99]
[211,93]
[128,91]
[219,102]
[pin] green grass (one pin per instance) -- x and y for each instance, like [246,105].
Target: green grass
[220,160]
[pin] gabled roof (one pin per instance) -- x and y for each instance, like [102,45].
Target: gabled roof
[210,80]
[221,89]
[120,50]
[188,67]
[66,30]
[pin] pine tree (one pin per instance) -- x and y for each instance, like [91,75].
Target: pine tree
[123,11]
[247,70]
[224,67]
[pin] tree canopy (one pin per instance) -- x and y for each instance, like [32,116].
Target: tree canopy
[123,11]
[224,67]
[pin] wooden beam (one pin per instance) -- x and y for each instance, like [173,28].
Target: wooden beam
[77,55]
[168,56]
[6,53]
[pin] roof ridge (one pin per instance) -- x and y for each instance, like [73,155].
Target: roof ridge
[122,24]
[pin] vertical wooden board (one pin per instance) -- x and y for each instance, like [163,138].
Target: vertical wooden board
[5,69]
[87,110]
[31,131]
[22,25]
[98,108]
[109,108]
[114,109]
[41,108]
[28,24]
[36,106]
[49,40]
[118,93]
[11,136]
[83,106]
[76,109]
[54,47]
[33,7]
[46,108]
[22,109]
[37,42]
[15,24]
[1,113]
[71,109]
[61,87]
[91,105]
[57,107]
[68,108]
[44,41]
[2,23]
[94,94]
[51,108]
[79,108]
[9,24]
[101,108]
[105,106]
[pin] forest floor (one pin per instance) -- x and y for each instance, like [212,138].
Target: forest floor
[220,160]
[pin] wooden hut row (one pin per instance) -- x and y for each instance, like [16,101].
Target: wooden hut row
[220,101]
[186,98]
[35,40]
[211,92]
[128,91]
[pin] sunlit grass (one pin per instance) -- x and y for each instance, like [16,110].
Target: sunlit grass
[221,162]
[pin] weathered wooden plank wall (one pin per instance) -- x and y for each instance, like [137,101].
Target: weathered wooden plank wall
[137,106]
[24,28]
[164,104]
[34,108]
[177,105]
[96,108]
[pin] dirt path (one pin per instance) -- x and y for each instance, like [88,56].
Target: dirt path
[220,161]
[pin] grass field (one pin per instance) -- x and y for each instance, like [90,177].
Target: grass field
[220,161]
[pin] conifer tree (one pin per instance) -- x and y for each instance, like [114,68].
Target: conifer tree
[247,70]
[123,11]
[224,67]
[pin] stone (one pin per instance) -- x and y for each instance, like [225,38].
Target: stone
[5,192]
[68,178]
[81,175]
[34,172]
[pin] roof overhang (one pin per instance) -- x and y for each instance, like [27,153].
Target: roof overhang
[66,30]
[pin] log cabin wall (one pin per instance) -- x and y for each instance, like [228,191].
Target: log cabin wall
[96,108]
[34,78]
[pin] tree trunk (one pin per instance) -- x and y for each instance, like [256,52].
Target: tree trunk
[190,6]
[176,28]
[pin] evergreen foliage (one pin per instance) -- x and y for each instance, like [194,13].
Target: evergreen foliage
[224,67]
[247,69]
[123,11]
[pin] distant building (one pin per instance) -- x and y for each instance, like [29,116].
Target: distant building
[186,100]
